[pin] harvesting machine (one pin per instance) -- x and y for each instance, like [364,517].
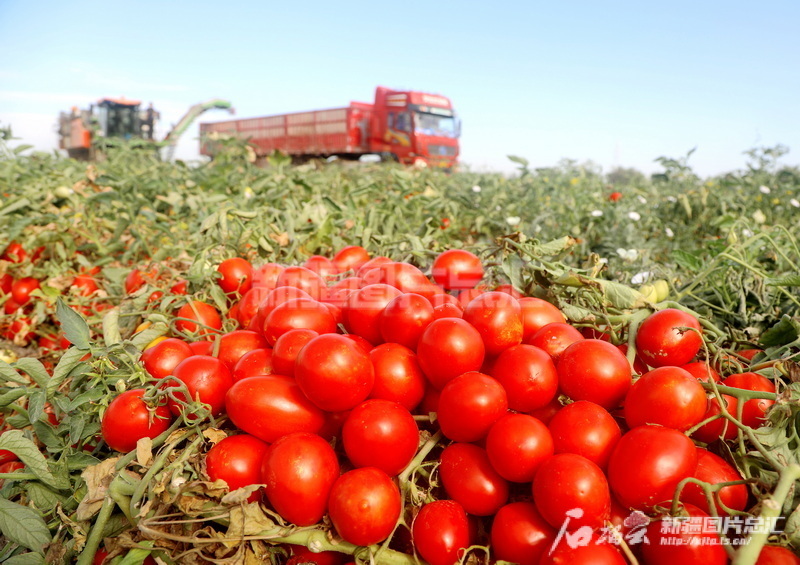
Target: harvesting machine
[83,133]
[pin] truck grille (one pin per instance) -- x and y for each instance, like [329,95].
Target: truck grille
[441,150]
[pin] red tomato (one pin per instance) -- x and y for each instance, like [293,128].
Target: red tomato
[398,376]
[702,371]
[339,292]
[237,461]
[304,279]
[234,345]
[447,348]
[301,555]
[404,319]
[441,532]
[593,553]
[554,338]
[198,317]
[7,456]
[639,366]
[660,342]
[594,370]
[202,347]
[286,349]
[713,469]
[457,269]
[430,402]
[253,364]
[568,481]
[777,555]
[517,445]
[469,405]
[528,375]
[380,433]
[364,506]
[498,318]
[466,296]
[299,471]
[587,429]
[537,313]
[754,411]
[180,287]
[648,463]
[469,479]
[509,289]
[334,372]
[85,285]
[299,313]
[207,380]
[668,396]
[128,419]
[136,279]
[236,276]
[448,310]
[21,289]
[266,276]
[323,266]
[548,411]
[364,309]
[161,359]
[721,427]
[271,407]
[520,534]
[615,196]
[15,253]
[249,303]
[274,299]
[350,258]
[690,544]
[6,280]
[406,278]
[372,264]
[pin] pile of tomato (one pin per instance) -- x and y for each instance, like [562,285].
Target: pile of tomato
[342,381]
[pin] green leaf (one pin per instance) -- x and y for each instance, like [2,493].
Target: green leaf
[688,261]
[622,296]
[36,401]
[788,280]
[519,160]
[29,454]
[47,435]
[14,206]
[74,326]
[11,395]
[30,558]
[68,362]
[785,331]
[136,556]
[111,334]
[23,525]
[44,498]
[9,373]
[141,339]
[35,370]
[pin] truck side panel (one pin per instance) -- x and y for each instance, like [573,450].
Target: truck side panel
[321,132]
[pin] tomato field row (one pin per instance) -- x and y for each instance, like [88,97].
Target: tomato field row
[335,364]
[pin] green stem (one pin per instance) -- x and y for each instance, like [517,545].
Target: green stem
[770,510]
[740,392]
[96,534]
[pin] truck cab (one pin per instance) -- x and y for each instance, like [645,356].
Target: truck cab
[415,128]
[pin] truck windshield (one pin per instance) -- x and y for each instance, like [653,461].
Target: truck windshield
[432,124]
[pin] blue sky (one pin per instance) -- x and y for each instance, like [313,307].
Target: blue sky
[617,83]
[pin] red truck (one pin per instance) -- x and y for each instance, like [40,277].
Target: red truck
[408,126]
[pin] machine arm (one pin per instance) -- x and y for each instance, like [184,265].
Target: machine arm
[171,140]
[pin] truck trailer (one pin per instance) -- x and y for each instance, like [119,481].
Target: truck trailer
[411,127]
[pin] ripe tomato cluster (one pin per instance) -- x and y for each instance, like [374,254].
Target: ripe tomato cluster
[330,380]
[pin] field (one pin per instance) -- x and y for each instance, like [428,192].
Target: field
[607,251]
